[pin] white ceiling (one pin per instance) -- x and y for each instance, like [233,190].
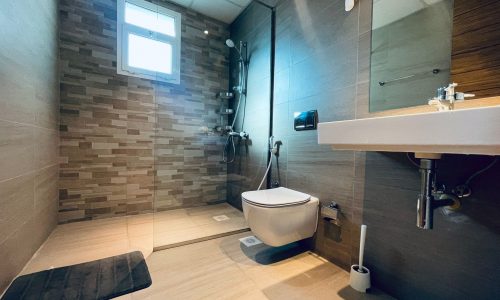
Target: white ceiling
[388,11]
[222,10]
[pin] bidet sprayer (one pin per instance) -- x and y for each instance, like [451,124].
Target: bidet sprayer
[276,148]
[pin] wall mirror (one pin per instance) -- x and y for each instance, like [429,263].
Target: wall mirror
[411,51]
[421,45]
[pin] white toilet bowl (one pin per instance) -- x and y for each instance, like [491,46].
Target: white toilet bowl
[280,216]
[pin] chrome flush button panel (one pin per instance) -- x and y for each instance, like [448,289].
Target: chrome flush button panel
[306,120]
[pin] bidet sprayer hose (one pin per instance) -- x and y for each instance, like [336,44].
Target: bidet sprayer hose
[273,149]
[265,175]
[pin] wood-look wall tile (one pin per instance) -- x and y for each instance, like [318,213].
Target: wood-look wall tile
[365,16]
[364,52]
[29,95]
[475,58]
[17,201]
[323,71]
[46,147]
[16,102]
[362,100]
[46,187]
[17,149]
[24,241]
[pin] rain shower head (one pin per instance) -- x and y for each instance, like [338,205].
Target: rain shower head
[230,43]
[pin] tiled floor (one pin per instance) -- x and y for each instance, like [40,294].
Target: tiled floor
[85,241]
[176,226]
[225,269]
[220,268]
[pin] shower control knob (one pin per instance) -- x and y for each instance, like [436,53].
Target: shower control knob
[244,135]
[333,204]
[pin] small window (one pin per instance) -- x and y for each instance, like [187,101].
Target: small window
[148,41]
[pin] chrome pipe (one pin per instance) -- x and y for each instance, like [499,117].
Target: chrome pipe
[426,198]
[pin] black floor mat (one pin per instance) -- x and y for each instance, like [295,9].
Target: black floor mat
[100,279]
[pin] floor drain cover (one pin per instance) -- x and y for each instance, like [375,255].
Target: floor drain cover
[220,218]
[250,241]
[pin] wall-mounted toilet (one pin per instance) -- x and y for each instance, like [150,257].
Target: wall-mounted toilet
[280,216]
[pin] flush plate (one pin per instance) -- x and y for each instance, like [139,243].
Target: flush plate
[306,120]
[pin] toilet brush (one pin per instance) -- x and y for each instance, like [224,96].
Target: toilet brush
[360,276]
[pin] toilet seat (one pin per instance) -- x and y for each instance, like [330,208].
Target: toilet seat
[278,197]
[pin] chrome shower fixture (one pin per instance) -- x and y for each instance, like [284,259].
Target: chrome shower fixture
[242,66]
[241,89]
[225,95]
[230,43]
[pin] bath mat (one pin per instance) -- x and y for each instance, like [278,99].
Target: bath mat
[100,279]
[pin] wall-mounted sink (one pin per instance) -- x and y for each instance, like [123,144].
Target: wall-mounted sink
[463,131]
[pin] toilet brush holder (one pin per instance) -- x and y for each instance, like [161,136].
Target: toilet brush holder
[360,275]
[360,278]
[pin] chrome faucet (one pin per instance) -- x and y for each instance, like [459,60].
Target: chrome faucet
[447,97]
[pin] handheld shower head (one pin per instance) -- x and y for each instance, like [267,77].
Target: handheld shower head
[241,87]
[230,43]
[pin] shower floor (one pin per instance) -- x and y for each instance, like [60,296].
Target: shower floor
[90,240]
[183,226]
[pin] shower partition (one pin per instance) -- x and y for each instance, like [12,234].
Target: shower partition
[253,26]
[190,180]
[190,185]
[145,145]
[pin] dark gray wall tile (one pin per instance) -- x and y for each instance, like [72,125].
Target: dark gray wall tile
[330,73]
[410,262]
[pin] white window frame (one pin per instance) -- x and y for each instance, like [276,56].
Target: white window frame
[123,31]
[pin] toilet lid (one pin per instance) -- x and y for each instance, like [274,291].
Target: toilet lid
[275,197]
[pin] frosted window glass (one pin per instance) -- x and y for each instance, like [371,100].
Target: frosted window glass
[148,54]
[149,19]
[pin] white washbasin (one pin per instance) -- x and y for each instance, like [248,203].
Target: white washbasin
[464,131]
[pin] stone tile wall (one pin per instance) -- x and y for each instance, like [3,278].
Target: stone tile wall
[130,145]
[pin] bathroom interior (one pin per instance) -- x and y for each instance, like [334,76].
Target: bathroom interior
[249,149]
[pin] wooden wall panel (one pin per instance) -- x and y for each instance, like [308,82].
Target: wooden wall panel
[476,47]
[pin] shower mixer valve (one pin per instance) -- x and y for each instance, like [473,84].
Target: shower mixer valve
[244,135]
